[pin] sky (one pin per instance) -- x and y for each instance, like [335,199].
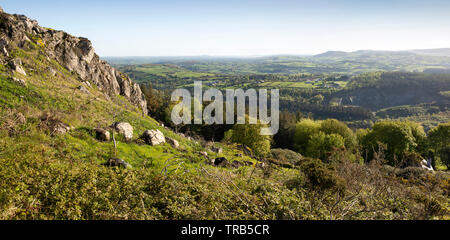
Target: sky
[243,27]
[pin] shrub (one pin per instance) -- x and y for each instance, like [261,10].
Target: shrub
[322,177]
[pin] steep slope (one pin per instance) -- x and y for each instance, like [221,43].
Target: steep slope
[52,161]
[73,53]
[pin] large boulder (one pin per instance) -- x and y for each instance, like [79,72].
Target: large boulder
[173,142]
[124,129]
[102,135]
[154,137]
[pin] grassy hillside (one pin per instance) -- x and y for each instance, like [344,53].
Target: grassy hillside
[45,175]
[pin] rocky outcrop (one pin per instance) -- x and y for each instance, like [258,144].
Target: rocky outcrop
[74,53]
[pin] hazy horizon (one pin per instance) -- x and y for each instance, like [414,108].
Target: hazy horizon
[244,28]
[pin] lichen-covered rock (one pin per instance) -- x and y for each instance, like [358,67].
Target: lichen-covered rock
[154,137]
[125,129]
[173,142]
[74,53]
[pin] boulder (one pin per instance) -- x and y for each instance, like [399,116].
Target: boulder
[427,165]
[16,65]
[124,129]
[217,150]
[3,44]
[102,135]
[59,128]
[117,162]
[54,125]
[19,81]
[154,137]
[172,142]
[220,162]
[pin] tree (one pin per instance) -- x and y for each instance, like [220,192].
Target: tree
[320,144]
[333,126]
[303,132]
[397,137]
[439,139]
[319,138]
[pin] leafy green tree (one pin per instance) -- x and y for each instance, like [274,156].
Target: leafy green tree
[303,132]
[318,138]
[333,126]
[439,139]
[320,144]
[397,137]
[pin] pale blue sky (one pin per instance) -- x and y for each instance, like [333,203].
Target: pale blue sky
[244,27]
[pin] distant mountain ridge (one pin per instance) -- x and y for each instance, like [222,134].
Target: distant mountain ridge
[444,52]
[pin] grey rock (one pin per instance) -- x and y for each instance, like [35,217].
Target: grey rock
[124,129]
[3,44]
[16,65]
[154,137]
[102,135]
[173,142]
[117,162]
